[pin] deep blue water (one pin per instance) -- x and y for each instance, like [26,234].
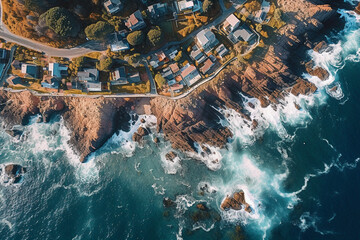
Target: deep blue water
[299,172]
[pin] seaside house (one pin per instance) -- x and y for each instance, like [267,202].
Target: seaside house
[113,6]
[135,21]
[30,70]
[197,55]
[260,16]
[134,77]
[190,74]
[88,75]
[243,33]
[57,70]
[188,6]
[119,77]
[208,64]
[14,80]
[206,40]
[93,86]
[119,42]
[157,10]
[222,50]
[174,68]
[231,23]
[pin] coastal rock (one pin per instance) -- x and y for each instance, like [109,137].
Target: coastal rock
[14,132]
[319,72]
[201,206]
[170,156]
[156,140]
[235,202]
[254,124]
[143,131]
[357,9]
[167,202]
[13,173]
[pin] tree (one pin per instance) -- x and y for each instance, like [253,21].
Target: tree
[259,28]
[277,14]
[134,59]
[160,80]
[99,30]
[207,4]
[155,36]
[104,64]
[178,56]
[61,21]
[135,38]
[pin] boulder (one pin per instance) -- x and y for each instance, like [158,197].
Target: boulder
[142,120]
[137,137]
[201,206]
[254,124]
[156,140]
[14,132]
[143,131]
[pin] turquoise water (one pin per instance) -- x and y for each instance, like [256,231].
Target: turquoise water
[298,170]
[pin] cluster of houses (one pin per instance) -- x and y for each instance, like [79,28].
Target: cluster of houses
[237,32]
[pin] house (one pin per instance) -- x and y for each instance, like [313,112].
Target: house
[174,68]
[69,86]
[188,5]
[50,82]
[190,74]
[135,21]
[261,14]
[168,75]
[113,6]
[30,70]
[206,40]
[207,66]
[119,77]
[162,56]
[88,75]
[176,87]
[157,10]
[93,86]
[231,23]
[119,42]
[243,33]
[222,50]
[172,53]
[57,70]
[197,55]
[134,78]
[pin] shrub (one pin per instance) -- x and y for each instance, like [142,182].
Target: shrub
[178,56]
[99,30]
[207,4]
[160,80]
[135,38]
[134,59]
[155,36]
[61,21]
[104,64]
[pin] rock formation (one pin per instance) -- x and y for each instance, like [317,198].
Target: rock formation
[12,173]
[91,121]
[236,202]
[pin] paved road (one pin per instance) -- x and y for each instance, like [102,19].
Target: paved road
[152,82]
[8,65]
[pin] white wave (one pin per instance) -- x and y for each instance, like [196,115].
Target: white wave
[170,167]
[211,156]
[7,223]
[307,221]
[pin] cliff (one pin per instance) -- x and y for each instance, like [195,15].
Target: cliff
[91,121]
[195,118]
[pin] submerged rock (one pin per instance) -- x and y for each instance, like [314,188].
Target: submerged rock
[156,140]
[201,206]
[167,202]
[14,132]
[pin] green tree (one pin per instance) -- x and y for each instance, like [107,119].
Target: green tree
[135,38]
[134,59]
[155,36]
[207,4]
[178,56]
[104,64]
[99,30]
[160,80]
[277,14]
[61,21]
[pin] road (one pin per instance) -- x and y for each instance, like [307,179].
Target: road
[8,65]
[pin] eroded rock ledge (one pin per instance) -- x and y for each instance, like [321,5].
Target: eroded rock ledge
[91,121]
[195,118]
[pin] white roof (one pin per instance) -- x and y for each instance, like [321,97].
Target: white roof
[184,5]
[232,20]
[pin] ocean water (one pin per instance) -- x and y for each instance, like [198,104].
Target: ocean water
[299,171]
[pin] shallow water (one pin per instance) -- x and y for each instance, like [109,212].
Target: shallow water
[299,171]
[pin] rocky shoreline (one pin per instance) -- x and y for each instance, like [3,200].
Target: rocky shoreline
[195,118]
